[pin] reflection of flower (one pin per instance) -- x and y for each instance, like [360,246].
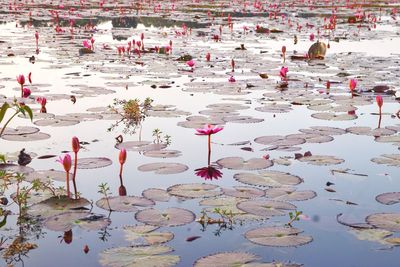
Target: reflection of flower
[208,173]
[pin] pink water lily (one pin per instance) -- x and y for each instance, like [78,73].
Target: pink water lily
[75,148]
[122,160]
[352,85]
[30,77]
[231,79]
[209,130]
[208,57]
[283,72]
[284,53]
[67,163]
[21,79]
[190,63]
[42,101]
[26,92]
[379,102]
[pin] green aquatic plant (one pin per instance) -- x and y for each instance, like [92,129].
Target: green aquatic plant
[104,189]
[132,112]
[158,138]
[18,108]
[293,217]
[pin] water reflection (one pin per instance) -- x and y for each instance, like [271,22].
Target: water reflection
[208,173]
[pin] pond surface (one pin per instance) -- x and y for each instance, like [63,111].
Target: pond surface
[290,147]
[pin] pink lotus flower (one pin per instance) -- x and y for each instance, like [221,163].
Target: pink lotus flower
[312,36]
[42,101]
[208,57]
[86,44]
[283,72]
[66,162]
[26,92]
[208,130]
[30,77]
[352,84]
[231,79]
[208,173]
[379,101]
[122,159]
[190,63]
[75,148]
[21,79]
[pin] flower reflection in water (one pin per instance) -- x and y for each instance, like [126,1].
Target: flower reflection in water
[208,173]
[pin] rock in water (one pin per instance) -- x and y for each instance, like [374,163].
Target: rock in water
[317,50]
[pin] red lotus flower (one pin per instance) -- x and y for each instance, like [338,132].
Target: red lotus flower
[190,63]
[122,159]
[208,56]
[283,49]
[208,173]
[75,144]
[75,147]
[379,101]
[66,162]
[231,79]
[283,72]
[21,79]
[352,84]
[26,92]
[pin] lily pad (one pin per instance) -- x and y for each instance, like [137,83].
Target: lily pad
[238,163]
[268,178]
[145,235]
[66,221]
[93,163]
[388,198]
[386,221]
[163,168]
[169,217]
[243,192]
[321,160]
[56,205]
[124,203]
[46,175]
[226,259]
[26,137]
[14,168]
[147,256]
[156,194]
[289,194]
[265,208]
[277,236]
[194,190]
[388,159]
[162,153]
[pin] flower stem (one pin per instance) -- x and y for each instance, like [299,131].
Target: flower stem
[68,193]
[120,170]
[74,174]
[209,149]
[5,125]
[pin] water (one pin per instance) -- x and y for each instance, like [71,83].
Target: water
[332,245]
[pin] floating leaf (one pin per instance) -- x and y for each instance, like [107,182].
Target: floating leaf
[388,198]
[169,217]
[321,160]
[226,259]
[145,235]
[268,178]
[388,159]
[243,192]
[386,221]
[194,190]
[156,194]
[237,163]
[163,168]
[93,163]
[278,236]
[148,256]
[56,205]
[124,203]
[265,208]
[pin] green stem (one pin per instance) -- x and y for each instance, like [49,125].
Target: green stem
[9,120]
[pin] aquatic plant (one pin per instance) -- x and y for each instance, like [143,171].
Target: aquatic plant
[132,113]
[379,102]
[293,217]
[209,130]
[352,86]
[75,148]
[21,81]
[104,189]
[66,162]
[122,160]
[18,108]
[157,134]
[42,101]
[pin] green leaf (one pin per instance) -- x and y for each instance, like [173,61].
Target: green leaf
[3,158]
[29,111]
[3,110]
